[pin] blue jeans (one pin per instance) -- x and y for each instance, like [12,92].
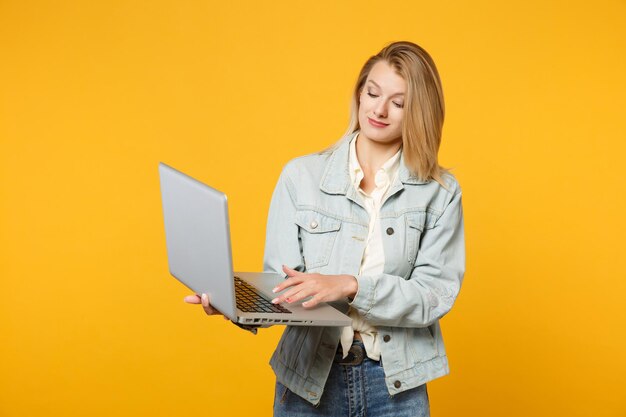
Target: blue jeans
[354,390]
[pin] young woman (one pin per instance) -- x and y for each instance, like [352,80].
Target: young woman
[374,226]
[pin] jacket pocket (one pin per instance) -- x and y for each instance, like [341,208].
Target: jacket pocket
[298,346]
[422,343]
[415,222]
[318,233]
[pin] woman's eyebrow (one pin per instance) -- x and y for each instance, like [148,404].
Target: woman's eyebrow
[396,94]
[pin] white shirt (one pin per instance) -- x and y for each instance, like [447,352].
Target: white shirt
[374,256]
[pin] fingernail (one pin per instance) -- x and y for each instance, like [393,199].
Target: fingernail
[275,300]
[275,289]
[205,299]
[305,304]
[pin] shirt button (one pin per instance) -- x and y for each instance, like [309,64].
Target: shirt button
[397,384]
[390,231]
[386,338]
[313,224]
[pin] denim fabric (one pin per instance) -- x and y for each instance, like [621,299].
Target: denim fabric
[317,222]
[354,391]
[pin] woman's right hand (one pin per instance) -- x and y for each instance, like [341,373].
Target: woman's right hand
[206,305]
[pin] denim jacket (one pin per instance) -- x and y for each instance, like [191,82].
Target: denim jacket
[317,223]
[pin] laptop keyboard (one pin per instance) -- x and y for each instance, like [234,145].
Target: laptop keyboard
[250,301]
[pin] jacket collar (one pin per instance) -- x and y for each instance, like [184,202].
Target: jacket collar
[336,177]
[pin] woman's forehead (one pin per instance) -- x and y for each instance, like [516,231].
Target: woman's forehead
[383,76]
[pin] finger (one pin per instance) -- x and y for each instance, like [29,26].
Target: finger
[291,272]
[301,295]
[286,295]
[206,305]
[292,295]
[315,300]
[289,282]
[193,299]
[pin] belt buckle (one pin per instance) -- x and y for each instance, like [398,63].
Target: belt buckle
[355,356]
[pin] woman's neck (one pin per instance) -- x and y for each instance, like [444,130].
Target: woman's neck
[372,155]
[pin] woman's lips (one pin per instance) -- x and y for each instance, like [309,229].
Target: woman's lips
[377,124]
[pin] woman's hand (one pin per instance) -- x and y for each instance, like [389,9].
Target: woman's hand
[322,288]
[206,305]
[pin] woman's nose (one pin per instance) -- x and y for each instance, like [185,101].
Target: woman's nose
[380,110]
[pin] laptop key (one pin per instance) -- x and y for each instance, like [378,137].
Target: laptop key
[250,301]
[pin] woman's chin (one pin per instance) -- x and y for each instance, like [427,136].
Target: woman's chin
[380,137]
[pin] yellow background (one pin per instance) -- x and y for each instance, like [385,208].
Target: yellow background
[94,94]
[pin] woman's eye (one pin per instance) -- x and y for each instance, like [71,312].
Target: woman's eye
[398,105]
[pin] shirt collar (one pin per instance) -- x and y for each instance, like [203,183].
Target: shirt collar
[336,176]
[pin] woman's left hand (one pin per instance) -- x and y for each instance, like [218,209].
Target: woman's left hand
[322,288]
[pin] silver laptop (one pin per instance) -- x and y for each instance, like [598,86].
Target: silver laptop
[197,235]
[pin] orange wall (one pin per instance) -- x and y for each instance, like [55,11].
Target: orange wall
[94,94]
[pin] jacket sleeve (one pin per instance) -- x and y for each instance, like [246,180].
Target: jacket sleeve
[434,283]
[282,242]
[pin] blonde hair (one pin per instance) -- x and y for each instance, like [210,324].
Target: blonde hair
[424,108]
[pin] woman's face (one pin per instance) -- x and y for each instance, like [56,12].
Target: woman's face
[381,105]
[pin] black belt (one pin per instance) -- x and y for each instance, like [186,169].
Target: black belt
[355,355]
